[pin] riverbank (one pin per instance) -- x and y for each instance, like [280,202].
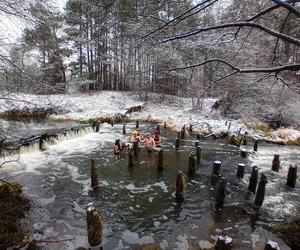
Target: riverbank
[13,208]
[174,111]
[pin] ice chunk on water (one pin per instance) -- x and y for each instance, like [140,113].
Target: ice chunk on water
[133,238]
[182,243]
[77,208]
[164,217]
[104,183]
[156,223]
[204,244]
[164,244]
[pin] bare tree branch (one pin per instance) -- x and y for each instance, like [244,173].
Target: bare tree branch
[277,40]
[176,18]
[213,83]
[267,10]
[238,24]
[288,6]
[288,67]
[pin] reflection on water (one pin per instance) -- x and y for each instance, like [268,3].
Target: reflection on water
[137,205]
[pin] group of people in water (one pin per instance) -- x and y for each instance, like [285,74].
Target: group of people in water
[150,141]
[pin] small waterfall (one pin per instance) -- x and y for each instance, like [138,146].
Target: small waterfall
[34,145]
[30,148]
[68,135]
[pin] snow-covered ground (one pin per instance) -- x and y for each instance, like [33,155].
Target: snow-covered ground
[175,111]
[76,106]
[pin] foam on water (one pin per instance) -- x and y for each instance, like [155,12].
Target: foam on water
[288,155]
[30,157]
[82,142]
[279,206]
[33,147]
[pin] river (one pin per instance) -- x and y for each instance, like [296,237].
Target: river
[137,205]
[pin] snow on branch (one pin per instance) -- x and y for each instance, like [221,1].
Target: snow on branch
[237,24]
[288,67]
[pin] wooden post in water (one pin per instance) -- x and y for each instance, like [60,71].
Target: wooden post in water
[191,129]
[276,163]
[137,124]
[260,194]
[271,245]
[196,144]
[229,125]
[198,154]
[165,125]
[220,195]
[177,144]
[130,158]
[182,136]
[292,176]
[97,125]
[192,165]
[244,138]
[255,146]
[160,160]
[198,137]
[244,153]
[178,134]
[41,142]
[240,170]
[94,226]
[223,243]
[94,176]
[158,128]
[136,149]
[112,121]
[253,180]
[124,129]
[239,132]
[180,187]
[217,168]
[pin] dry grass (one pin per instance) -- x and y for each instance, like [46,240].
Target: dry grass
[29,114]
[289,233]
[288,136]
[13,207]
[257,125]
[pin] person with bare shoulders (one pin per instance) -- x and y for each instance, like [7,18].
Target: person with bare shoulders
[135,136]
[117,148]
[150,143]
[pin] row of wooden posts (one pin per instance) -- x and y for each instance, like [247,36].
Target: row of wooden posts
[223,242]
[292,171]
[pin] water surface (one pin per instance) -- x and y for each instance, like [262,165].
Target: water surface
[137,205]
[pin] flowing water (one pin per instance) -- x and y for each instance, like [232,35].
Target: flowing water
[137,205]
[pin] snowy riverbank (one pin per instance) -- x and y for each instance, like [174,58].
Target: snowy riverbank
[175,111]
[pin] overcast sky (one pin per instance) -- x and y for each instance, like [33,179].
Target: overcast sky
[10,28]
